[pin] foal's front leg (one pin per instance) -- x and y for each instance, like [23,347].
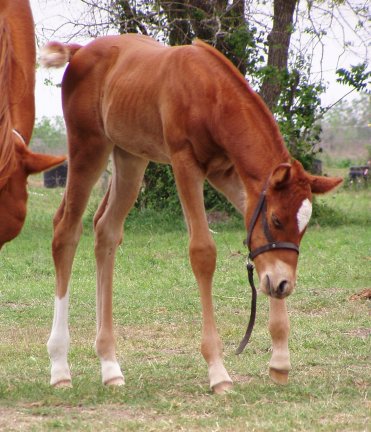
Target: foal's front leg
[279,327]
[202,253]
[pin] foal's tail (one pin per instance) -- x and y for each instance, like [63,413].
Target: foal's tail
[57,54]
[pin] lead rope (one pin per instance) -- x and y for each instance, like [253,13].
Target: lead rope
[246,338]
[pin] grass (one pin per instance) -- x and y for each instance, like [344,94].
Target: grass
[157,320]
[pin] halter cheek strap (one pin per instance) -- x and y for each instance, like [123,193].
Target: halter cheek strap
[17,134]
[261,207]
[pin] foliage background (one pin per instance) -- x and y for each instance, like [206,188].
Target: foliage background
[272,44]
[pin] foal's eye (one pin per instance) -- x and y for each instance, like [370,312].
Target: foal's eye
[276,222]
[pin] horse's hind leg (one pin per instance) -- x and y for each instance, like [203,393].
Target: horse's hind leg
[83,172]
[128,171]
[202,252]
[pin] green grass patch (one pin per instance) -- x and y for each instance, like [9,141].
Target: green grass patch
[344,207]
[157,324]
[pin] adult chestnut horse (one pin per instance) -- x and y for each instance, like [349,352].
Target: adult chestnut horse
[189,107]
[17,115]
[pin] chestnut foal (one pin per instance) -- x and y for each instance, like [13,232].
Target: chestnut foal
[17,115]
[189,107]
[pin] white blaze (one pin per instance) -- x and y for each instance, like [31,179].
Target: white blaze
[304,214]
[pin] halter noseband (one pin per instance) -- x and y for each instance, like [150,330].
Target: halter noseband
[261,207]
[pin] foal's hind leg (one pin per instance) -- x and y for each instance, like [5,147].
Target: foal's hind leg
[202,254]
[83,172]
[127,176]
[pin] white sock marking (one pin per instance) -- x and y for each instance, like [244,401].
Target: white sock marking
[110,370]
[59,341]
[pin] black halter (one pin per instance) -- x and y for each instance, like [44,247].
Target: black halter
[261,207]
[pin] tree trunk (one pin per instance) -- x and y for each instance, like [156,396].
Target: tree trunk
[278,48]
[232,19]
[211,21]
[178,17]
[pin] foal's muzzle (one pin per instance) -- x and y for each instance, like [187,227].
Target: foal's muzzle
[280,288]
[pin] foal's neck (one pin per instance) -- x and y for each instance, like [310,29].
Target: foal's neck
[257,149]
[248,132]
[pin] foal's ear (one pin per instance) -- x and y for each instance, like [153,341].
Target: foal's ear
[37,162]
[320,184]
[280,176]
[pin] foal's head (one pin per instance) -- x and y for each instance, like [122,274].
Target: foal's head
[13,193]
[281,224]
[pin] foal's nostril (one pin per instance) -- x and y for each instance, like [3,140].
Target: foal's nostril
[282,287]
[268,285]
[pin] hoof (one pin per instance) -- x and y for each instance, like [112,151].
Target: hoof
[63,384]
[279,376]
[115,382]
[223,387]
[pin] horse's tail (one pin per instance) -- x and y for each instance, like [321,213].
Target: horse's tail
[57,54]
[7,148]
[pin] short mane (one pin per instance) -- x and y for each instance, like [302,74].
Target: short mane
[231,68]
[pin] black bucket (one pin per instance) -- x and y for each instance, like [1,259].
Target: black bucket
[56,177]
